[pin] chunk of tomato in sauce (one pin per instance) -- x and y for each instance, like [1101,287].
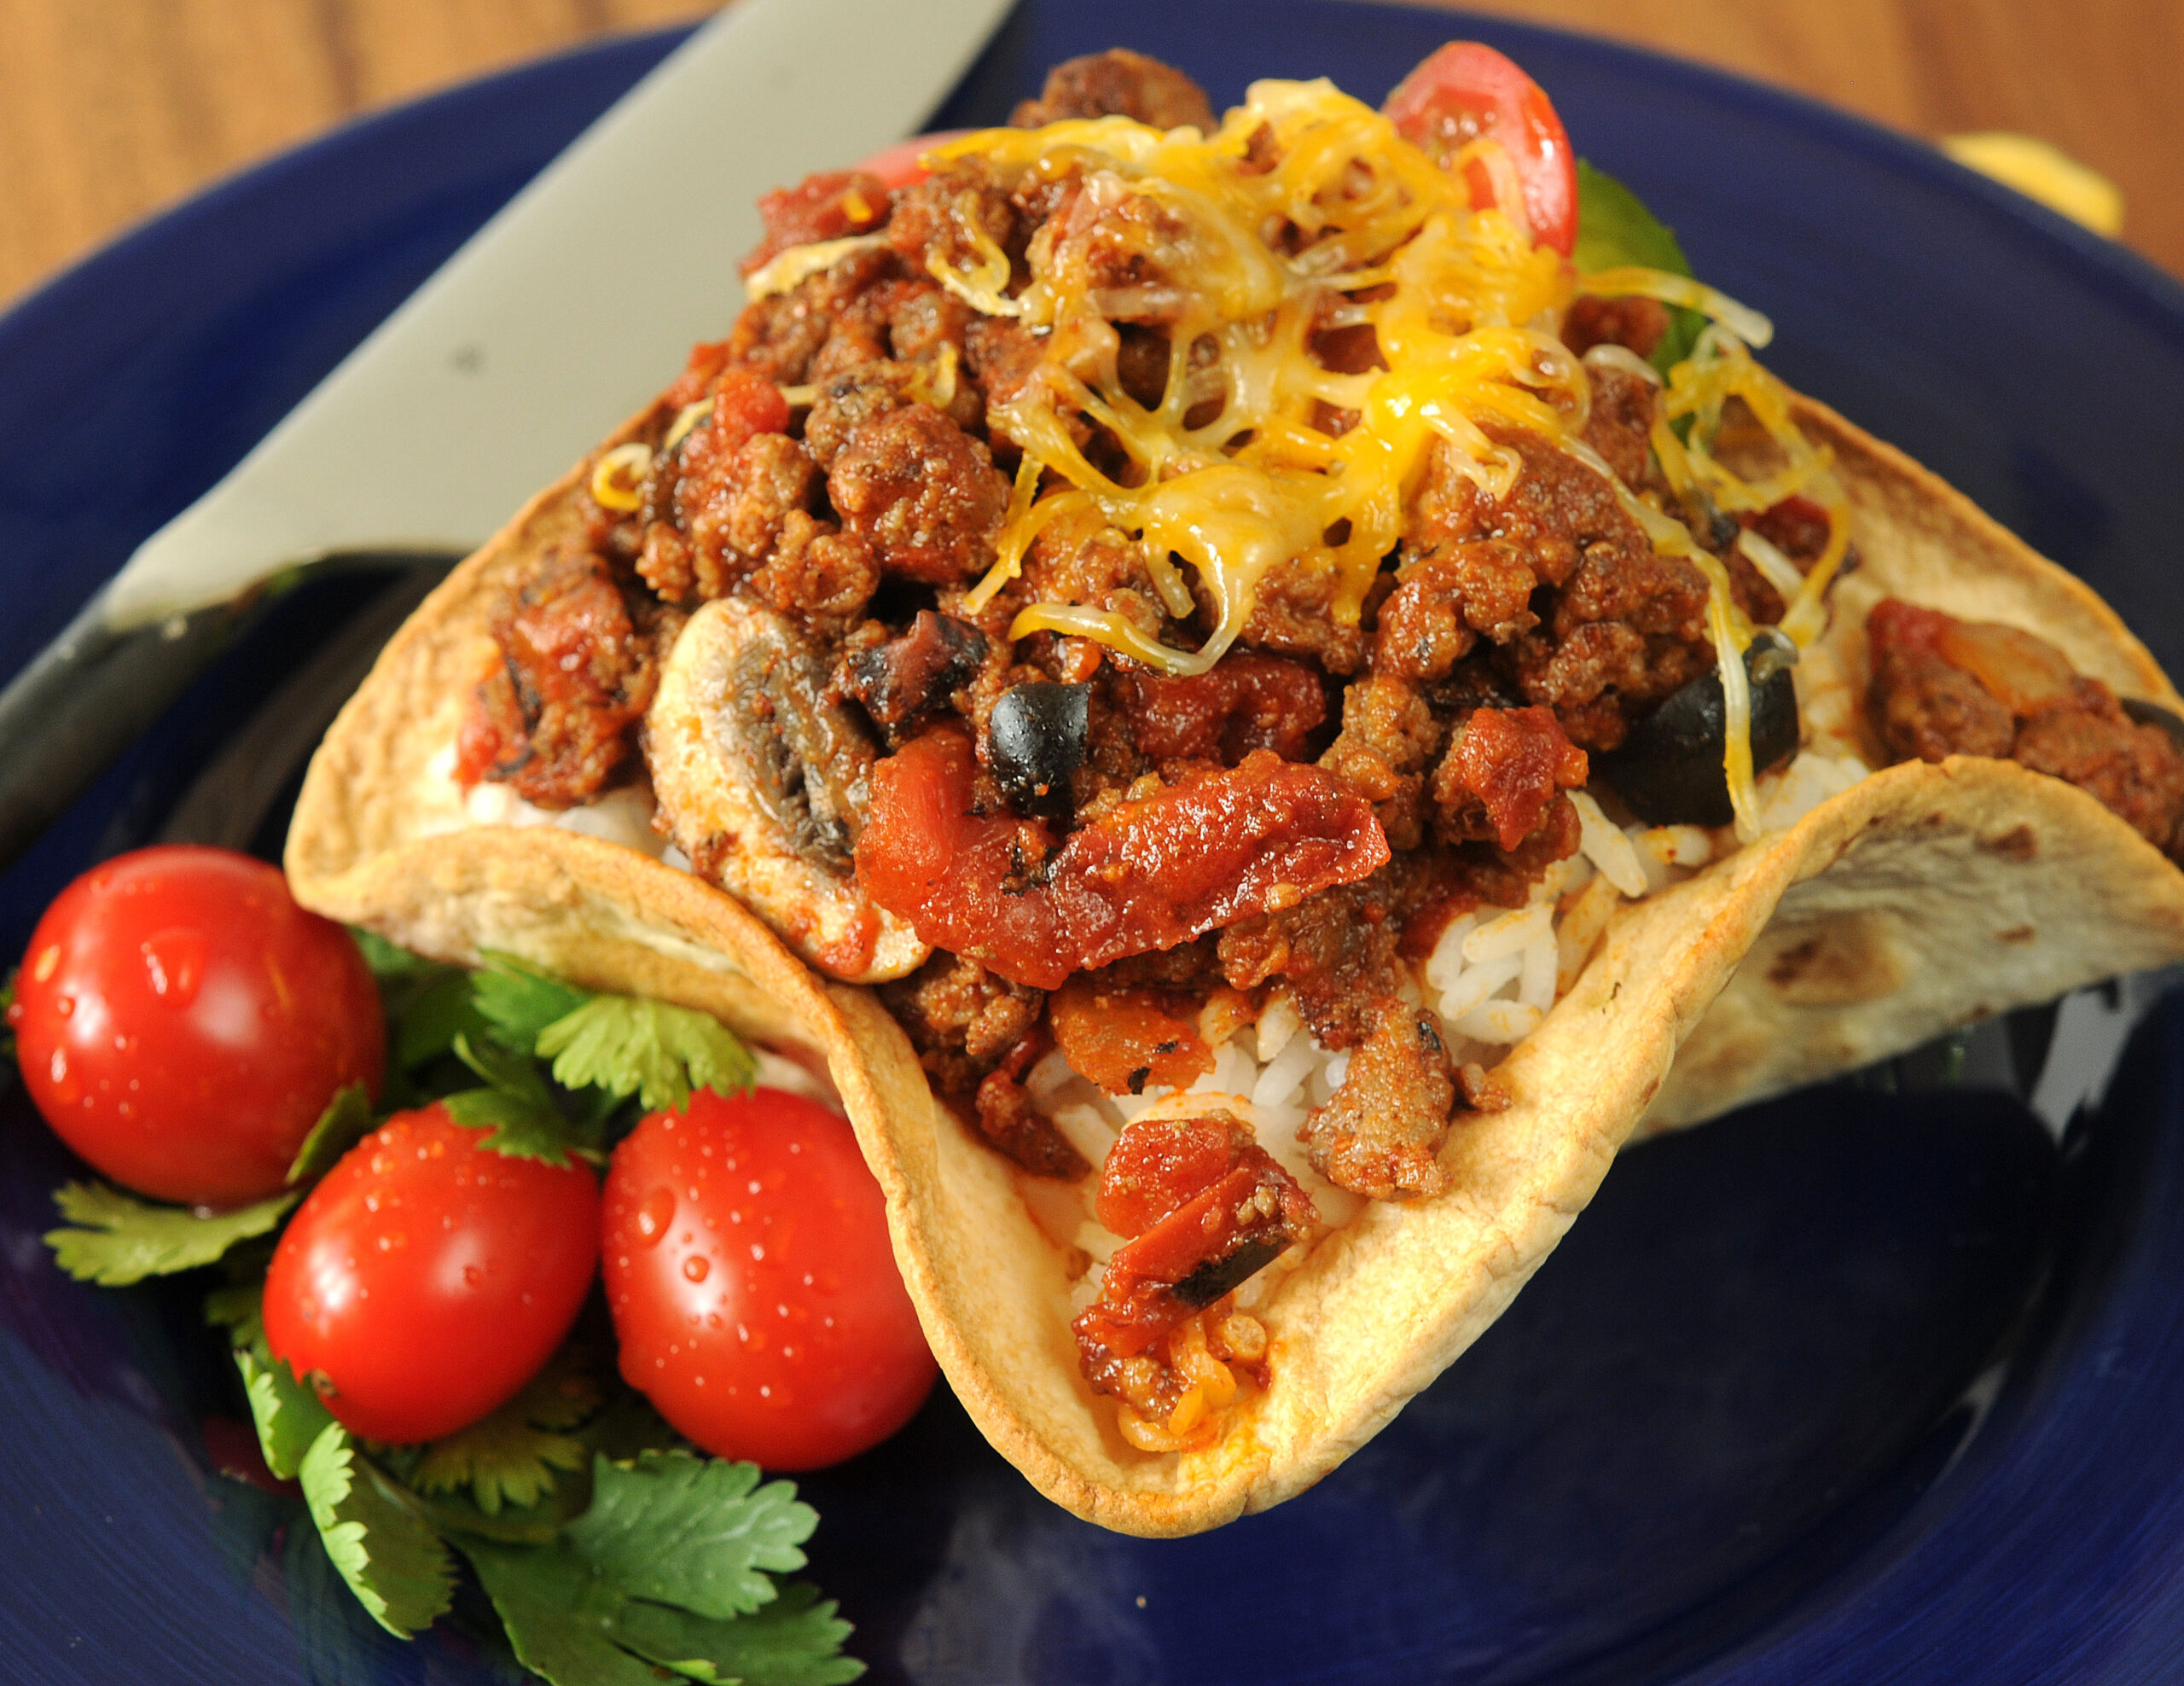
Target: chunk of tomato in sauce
[1147,874]
[1514,761]
[1207,1208]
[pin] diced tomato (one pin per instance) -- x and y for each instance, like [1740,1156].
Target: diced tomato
[1467,90]
[1245,702]
[902,165]
[1158,1164]
[1514,760]
[827,205]
[1235,1224]
[1126,1039]
[1147,874]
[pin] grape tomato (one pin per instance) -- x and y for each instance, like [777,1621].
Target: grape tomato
[427,1277]
[182,1023]
[754,1293]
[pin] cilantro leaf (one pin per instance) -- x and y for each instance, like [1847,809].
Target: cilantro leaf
[521,1001]
[526,1122]
[346,1121]
[695,1531]
[510,1457]
[1615,229]
[795,1640]
[648,1048]
[290,1415]
[567,1623]
[121,1239]
[393,1560]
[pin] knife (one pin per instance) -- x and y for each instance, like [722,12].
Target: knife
[570,308]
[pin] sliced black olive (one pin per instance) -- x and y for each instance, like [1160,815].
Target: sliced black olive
[1218,1276]
[1669,770]
[1035,739]
[2153,714]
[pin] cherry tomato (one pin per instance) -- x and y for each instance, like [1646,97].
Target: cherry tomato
[182,1023]
[902,165]
[426,1278]
[1467,90]
[744,1245]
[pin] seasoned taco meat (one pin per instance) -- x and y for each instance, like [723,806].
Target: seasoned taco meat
[552,721]
[1943,686]
[1128,827]
[1117,82]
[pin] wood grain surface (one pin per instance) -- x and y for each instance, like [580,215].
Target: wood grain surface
[111,109]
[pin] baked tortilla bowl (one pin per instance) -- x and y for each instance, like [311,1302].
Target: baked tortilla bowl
[1923,899]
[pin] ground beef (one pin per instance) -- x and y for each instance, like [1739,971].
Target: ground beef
[1082,559]
[1638,324]
[956,217]
[1924,709]
[1621,422]
[1011,1120]
[1446,601]
[2133,771]
[552,722]
[1556,511]
[1294,615]
[1629,629]
[1117,82]
[922,492]
[817,575]
[779,335]
[732,512]
[1380,1133]
[848,400]
[1942,687]
[1621,627]
[1389,737]
[1336,951]
[962,1018]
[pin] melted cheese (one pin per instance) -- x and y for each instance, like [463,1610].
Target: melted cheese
[1306,211]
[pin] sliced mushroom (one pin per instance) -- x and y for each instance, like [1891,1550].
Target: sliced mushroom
[762,782]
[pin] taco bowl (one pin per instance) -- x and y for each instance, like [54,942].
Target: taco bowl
[1392,1001]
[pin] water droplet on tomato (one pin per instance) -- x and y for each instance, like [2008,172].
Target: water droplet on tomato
[654,1217]
[49,957]
[472,1276]
[696,1266]
[64,1004]
[174,963]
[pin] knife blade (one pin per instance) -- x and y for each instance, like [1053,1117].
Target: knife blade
[568,309]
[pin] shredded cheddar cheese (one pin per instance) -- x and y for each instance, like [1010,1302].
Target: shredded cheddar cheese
[1304,212]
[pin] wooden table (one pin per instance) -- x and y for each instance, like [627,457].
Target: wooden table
[111,109]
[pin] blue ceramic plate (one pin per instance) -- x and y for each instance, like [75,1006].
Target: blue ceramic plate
[1879,1383]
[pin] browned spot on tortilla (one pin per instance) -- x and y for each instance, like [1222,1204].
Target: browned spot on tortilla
[2016,933]
[1850,957]
[2017,843]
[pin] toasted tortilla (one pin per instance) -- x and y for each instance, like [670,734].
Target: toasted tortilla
[1922,898]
